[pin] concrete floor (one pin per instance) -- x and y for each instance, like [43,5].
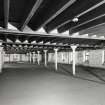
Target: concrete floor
[27,84]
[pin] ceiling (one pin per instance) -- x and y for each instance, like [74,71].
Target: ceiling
[50,15]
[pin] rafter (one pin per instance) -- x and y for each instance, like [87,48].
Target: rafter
[93,26]
[81,14]
[59,12]
[96,28]
[6,13]
[31,13]
[88,21]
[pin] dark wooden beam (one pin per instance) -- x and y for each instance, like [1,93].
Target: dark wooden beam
[48,40]
[40,39]
[54,40]
[6,13]
[78,15]
[82,17]
[31,13]
[58,12]
[89,25]
[88,21]
[96,28]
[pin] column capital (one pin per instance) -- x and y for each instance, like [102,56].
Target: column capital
[73,47]
[56,49]
[38,51]
[45,51]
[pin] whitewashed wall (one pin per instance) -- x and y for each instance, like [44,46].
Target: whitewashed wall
[51,57]
[79,57]
[19,57]
[63,57]
[6,58]
[95,57]
[11,57]
[24,57]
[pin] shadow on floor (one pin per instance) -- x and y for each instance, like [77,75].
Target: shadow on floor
[65,69]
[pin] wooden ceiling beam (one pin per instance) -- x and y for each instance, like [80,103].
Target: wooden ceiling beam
[78,15]
[89,25]
[93,32]
[31,13]
[88,21]
[98,27]
[6,13]
[59,12]
[93,27]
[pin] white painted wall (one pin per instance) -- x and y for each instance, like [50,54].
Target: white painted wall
[63,57]
[16,57]
[51,57]
[79,57]
[95,57]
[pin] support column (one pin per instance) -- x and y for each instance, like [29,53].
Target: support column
[20,57]
[84,56]
[56,59]
[33,57]
[45,57]
[30,56]
[9,58]
[1,58]
[74,60]
[103,56]
[62,57]
[38,57]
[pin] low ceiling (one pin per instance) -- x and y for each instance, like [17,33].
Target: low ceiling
[50,15]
